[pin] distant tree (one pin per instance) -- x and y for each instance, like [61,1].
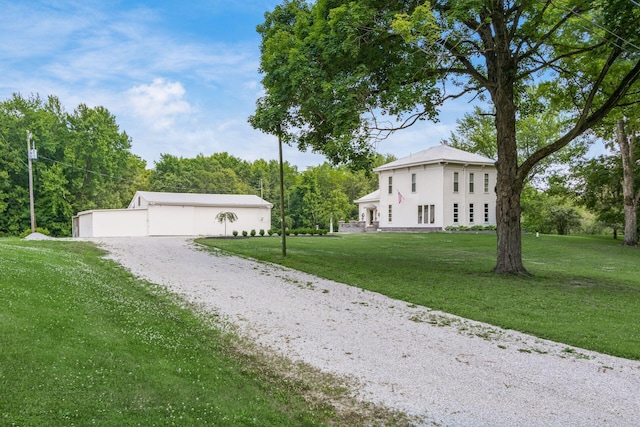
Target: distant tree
[335,207]
[546,212]
[84,162]
[534,202]
[563,217]
[597,184]
[304,207]
[224,217]
[201,174]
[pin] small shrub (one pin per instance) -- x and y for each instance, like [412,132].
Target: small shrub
[244,233]
[451,228]
[235,233]
[252,233]
[261,232]
[270,232]
[490,227]
[477,227]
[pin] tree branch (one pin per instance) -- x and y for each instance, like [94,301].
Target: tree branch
[541,40]
[551,63]
[468,66]
[585,121]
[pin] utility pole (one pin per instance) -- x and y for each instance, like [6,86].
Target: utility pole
[32,154]
[283,226]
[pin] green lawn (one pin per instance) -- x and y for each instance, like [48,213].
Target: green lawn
[82,342]
[584,291]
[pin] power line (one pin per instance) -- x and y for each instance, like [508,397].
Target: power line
[124,180]
[603,28]
[86,170]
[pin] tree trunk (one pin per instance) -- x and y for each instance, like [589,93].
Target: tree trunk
[509,183]
[508,208]
[508,231]
[628,193]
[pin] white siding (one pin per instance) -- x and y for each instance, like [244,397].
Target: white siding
[171,220]
[205,223]
[465,199]
[112,223]
[429,191]
[434,186]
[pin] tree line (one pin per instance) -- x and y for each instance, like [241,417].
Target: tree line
[85,162]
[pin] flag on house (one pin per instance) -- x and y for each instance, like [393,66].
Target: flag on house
[400,197]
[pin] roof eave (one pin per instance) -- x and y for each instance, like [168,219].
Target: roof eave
[432,162]
[214,205]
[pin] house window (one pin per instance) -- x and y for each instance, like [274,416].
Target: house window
[471,183]
[486,212]
[413,182]
[486,182]
[390,185]
[455,213]
[455,182]
[471,212]
[426,214]
[390,212]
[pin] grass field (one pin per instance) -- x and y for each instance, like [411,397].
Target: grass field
[82,343]
[583,290]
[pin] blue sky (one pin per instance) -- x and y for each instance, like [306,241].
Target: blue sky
[181,77]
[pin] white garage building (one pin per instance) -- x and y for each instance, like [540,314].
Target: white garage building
[175,214]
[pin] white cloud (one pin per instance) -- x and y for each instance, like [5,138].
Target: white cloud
[173,90]
[159,104]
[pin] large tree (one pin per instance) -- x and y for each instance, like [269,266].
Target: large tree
[336,73]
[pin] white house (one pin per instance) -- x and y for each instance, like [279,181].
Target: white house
[427,191]
[175,214]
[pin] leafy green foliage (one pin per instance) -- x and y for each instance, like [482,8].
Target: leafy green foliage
[546,212]
[598,185]
[224,217]
[215,174]
[84,162]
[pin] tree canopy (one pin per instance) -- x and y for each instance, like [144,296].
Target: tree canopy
[339,74]
[84,162]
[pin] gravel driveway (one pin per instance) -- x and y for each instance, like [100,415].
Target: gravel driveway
[453,371]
